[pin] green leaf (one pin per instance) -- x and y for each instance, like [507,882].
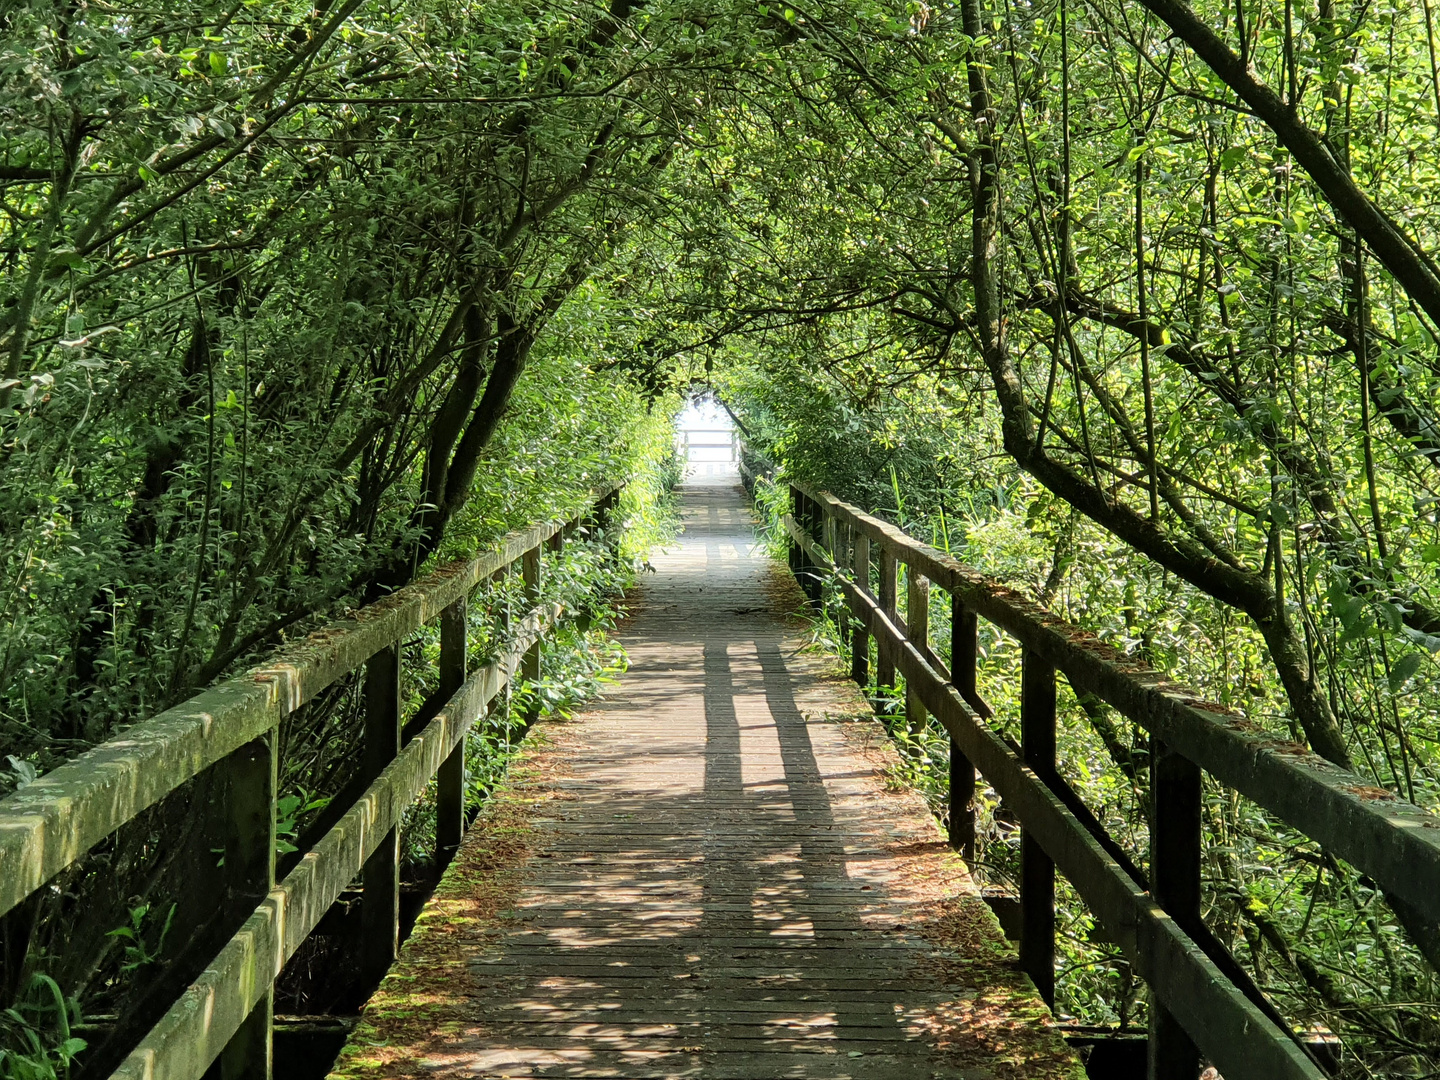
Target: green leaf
[1404,670]
[218,64]
[1231,157]
[1428,642]
[1390,615]
[1347,608]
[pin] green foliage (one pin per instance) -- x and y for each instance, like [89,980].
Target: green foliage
[138,952]
[290,809]
[37,1043]
[243,295]
[296,303]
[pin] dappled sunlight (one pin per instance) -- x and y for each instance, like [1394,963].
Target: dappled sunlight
[725,888]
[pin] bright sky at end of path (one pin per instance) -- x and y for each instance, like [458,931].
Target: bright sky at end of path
[704,437]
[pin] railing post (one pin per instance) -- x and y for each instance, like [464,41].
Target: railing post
[1037,871]
[380,907]
[450,779]
[917,629]
[825,533]
[1175,850]
[797,553]
[502,702]
[860,640]
[249,876]
[813,520]
[885,665]
[530,665]
[964,629]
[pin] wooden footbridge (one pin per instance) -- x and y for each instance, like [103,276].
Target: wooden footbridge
[713,873]
[715,880]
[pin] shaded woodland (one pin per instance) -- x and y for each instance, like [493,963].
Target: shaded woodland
[1133,304]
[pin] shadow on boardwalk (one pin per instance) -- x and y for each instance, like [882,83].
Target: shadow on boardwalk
[709,876]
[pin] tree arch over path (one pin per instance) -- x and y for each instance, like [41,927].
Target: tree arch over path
[294,297]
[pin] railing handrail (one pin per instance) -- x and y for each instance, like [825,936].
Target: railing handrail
[228,1008]
[1193,977]
[55,820]
[198,1026]
[1394,841]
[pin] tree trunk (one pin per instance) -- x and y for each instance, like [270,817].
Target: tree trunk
[1190,560]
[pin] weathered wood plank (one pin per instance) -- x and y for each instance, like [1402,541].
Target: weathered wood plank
[704,875]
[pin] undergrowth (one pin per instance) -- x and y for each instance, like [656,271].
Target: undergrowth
[588,578]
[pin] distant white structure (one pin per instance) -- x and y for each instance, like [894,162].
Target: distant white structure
[706,440]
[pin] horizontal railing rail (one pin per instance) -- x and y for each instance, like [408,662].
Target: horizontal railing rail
[200,1025]
[228,1010]
[1207,1000]
[687,440]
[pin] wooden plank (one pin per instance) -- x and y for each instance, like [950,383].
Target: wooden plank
[450,779]
[859,638]
[530,666]
[249,874]
[1175,853]
[961,792]
[380,905]
[704,861]
[917,625]
[889,586]
[1037,869]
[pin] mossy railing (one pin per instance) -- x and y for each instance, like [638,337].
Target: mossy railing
[1207,1002]
[227,1012]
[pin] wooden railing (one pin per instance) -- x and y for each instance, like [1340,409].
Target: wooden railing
[688,441]
[1205,1002]
[227,1012]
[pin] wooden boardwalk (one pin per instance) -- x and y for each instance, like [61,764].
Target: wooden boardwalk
[709,875]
